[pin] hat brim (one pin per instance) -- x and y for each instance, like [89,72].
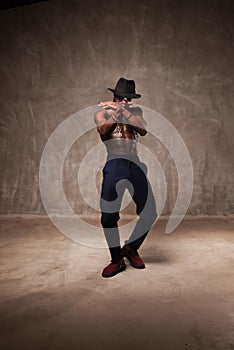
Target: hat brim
[121,94]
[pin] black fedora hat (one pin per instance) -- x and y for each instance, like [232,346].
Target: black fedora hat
[125,88]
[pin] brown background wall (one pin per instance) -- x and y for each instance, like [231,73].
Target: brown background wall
[58,57]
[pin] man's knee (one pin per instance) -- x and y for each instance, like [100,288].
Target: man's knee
[109,220]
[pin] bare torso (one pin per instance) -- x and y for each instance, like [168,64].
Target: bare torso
[122,140]
[120,132]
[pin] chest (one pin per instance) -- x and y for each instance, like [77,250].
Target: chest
[124,131]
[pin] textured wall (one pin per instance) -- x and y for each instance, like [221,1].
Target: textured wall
[58,57]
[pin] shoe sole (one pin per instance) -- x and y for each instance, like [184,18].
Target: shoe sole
[138,267]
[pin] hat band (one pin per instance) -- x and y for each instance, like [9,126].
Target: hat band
[125,92]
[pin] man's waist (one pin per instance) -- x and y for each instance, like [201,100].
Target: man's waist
[131,157]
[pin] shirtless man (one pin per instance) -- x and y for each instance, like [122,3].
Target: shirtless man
[119,125]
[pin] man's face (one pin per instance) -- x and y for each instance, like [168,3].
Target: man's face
[120,99]
[117,99]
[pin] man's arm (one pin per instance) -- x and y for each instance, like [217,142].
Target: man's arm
[136,120]
[106,120]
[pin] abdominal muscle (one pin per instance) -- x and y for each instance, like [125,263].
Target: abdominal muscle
[122,141]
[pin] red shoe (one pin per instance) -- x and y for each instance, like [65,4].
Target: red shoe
[133,257]
[113,268]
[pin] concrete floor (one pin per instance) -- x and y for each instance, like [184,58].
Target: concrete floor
[53,295]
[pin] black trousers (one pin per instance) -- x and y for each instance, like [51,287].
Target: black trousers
[119,173]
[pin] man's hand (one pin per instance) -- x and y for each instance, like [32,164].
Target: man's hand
[114,109]
[114,105]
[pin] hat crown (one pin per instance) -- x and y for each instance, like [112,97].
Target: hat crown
[125,88]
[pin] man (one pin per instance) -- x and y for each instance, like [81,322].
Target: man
[119,124]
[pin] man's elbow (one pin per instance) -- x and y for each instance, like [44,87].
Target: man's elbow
[104,132]
[101,130]
[143,132]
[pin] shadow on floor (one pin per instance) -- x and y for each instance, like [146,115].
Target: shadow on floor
[156,256]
